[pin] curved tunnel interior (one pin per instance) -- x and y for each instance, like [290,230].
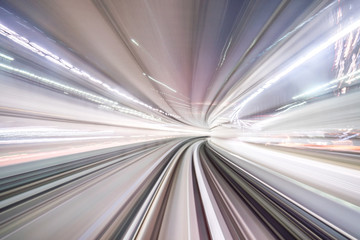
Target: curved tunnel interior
[179,119]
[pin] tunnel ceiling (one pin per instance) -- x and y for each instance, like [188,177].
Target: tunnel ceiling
[192,60]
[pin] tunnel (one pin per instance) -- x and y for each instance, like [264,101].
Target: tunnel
[179,119]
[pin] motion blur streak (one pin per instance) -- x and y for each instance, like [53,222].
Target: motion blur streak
[179,119]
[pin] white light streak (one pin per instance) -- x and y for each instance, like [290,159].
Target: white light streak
[77,92]
[67,64]
[163,84]
[135,42]
[226,50]
[6,57]
[299,62]
[334,81]
[34,47]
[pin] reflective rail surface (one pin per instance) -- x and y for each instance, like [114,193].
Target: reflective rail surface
[171,189]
